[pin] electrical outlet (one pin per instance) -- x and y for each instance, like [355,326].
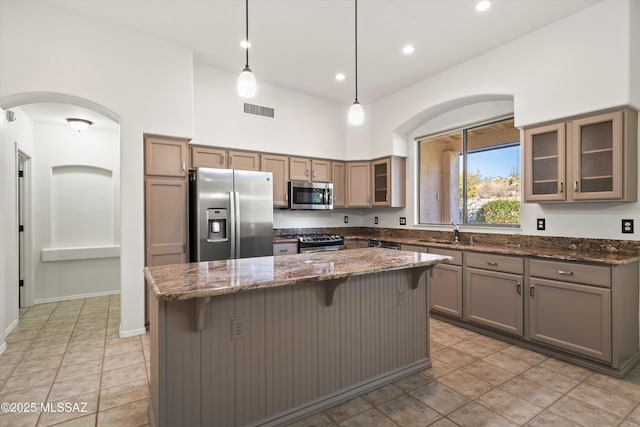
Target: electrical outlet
[346,219]
[403,220]
[402,296]
[375,219]
[540,224]
[237,328]
[627,226]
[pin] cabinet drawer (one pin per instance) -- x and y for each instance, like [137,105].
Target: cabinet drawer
[413,248]
[595,275]
[508,264]
[456,255]
[285,249]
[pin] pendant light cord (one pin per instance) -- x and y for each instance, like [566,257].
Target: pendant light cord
[246,15]
[356,26]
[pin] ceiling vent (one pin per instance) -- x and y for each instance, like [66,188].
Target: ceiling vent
[258,110]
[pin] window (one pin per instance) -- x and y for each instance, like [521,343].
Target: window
[471,176]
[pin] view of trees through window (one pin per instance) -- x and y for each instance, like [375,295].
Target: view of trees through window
[471,176]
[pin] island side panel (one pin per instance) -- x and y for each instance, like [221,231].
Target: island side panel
[218,367]
[306,302]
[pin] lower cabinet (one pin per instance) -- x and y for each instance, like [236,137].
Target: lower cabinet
[446,284]
[573,317]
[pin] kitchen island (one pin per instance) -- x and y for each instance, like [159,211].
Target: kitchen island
[270,340]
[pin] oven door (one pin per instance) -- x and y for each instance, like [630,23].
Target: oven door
[310,195]
[322,249]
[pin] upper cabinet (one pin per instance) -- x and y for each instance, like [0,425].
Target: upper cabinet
[304,169]
[358,184]
[591,158]
[165,156]
[388,177]
[209,157]
[339,180]
[279,167]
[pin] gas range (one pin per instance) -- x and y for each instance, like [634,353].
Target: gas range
[319,242]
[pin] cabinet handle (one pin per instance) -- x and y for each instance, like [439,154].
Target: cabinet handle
[286,197]
[284,250]
[315,174]
[575,186]
[518,288]
[532,291]
[230,160]
[306,172]
[492,263]
[431,272]
[561,187]
[184,166]
[565,273]
[221,161]
[386,197]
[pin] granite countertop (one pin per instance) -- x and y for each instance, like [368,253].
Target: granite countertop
[560,254]
[195,280]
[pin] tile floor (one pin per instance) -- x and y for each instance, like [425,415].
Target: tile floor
[70,352]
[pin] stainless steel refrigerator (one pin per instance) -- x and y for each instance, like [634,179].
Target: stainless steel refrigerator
[230,214]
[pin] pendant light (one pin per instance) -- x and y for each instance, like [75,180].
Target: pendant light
[247,81]
[356,112]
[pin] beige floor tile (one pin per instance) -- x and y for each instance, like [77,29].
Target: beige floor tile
[47,341]
[382,394]
[77,357]
[370,418]
[406,411]
[122,359]
[74,387]
[16,336]
[622,387]
[474,414]
[24,382]
[465,384]
[317,420]
[509,406]
[627,423]
[488,372]
[40,352]
[548,419]
[80,369]
[34,394]
[507,362]
[411,382]
[584,414]
[444,422]
[443,338]
[491,343]
[440,398]
[634,416]
[10,359]
[133,415]
[550,379]
[72,408]
[123,394]
[123,346]
[532,391]
[454,357]
[603,399]
[348,409]
[123,375]
[16,347]
[474,349]
[434,346]
[566,369]
[35,365]
[19,419]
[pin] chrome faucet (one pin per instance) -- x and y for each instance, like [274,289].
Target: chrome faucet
[456,232]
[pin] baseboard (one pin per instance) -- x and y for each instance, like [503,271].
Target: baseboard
[3,348]
[132,332]
[77,296]
[11,327]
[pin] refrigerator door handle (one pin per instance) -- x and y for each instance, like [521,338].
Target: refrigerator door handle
[232,223]
[236,220]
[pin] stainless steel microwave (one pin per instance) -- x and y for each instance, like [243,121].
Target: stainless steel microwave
[310,195]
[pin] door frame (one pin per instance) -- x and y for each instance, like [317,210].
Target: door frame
[25,253]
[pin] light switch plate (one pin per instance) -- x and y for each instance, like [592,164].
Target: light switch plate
[403,220]
[375,219]
[346,219]
[627,226]
[541,224]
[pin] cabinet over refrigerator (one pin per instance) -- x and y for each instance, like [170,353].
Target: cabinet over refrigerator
[230,214]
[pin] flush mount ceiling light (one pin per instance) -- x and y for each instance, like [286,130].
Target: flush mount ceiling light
[356,112]
[245,44]
[79,124]
[340,77]
[247,81]
[408,49]
[483,5]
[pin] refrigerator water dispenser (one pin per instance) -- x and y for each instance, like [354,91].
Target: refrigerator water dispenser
[217,225]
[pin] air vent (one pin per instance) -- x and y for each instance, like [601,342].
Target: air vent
[258,110]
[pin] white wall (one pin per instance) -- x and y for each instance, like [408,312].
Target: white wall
[77,189]
[144,83]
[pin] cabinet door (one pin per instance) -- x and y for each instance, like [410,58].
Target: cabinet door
[321,170]
[299,169]
[544,163]
[381,179]
[572,317]
[165,156]
[494,299]
[358,184]
[244,160]
[596,157]
[165,221]
[338,179]
[203,157]
[445,292]
[279,167]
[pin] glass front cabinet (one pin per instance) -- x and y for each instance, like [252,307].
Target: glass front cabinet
[592,158]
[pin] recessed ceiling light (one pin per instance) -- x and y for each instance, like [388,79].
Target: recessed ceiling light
[245,44]
[483,5]
[339,77]
[408,49]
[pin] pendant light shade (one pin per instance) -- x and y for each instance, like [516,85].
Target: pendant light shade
[356,112]
[247,81]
